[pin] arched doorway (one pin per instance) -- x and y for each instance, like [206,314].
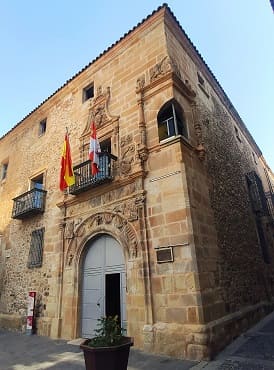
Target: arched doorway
[103,283]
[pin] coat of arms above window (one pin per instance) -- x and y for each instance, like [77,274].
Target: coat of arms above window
[99,114]
[98,110]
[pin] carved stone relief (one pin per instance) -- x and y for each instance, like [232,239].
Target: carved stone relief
[113,222]
[140,83]
[98,110]
[160,69]
[127,154]
[200,149]
[128,209]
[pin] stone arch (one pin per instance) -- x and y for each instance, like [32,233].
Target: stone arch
[106,222]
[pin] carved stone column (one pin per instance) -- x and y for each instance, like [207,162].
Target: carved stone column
[200,149]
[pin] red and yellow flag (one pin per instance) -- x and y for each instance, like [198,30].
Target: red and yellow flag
[67,177]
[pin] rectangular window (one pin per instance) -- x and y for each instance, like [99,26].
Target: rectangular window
[88,92]
[237,134]
[37,182]
[200,79]
[105,146]
[42,127]
[38,196]
[4,170]
[36,248]
[202,84]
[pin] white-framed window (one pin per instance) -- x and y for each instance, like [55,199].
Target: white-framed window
[171,121]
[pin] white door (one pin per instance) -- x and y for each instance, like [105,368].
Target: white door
[103,283]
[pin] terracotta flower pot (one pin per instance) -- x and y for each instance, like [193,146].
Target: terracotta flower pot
[107,358]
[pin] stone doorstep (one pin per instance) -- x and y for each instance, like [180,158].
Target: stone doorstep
[76,342]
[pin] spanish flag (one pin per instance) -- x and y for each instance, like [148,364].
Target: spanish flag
[67,177]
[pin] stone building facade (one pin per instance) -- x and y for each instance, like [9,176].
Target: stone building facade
[175,234]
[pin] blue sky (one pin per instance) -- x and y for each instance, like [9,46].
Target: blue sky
[43,44]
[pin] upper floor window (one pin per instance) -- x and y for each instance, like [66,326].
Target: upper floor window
[105,146]
[88,92]
[37,182]
[171,121]
[237,134]
[4,170]
[200,79]
[42,127]
[38,197]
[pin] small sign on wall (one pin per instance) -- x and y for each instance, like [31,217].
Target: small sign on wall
[30,313]
[164,254]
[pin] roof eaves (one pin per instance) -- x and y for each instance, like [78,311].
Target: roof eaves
[164,5]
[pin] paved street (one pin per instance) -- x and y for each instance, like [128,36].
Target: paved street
[254,350]
[23,352]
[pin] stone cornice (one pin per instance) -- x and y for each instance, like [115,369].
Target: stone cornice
[170,79]
[70,200]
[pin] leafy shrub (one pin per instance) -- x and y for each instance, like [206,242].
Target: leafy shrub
[109,333]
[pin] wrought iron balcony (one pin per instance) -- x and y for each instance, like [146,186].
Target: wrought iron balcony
[84,180]
[28,204]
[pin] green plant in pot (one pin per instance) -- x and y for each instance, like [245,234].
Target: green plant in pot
[109,349]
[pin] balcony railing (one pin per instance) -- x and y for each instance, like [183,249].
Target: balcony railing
[28,204]
[84,180]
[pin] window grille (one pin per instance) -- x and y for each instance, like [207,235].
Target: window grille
[259,206]
[36,248]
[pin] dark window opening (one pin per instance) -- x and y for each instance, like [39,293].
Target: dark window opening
[36,248]
[37,182]
[88,92]
[4,171]
[171,121]
[254,158]
[42,127]
[113,295]
[200,79]
[237,134]
[105,146]
[262,240]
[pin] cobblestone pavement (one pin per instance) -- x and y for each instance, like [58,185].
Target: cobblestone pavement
[253,350]
[23,352]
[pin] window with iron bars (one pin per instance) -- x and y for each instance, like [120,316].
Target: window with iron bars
[36,248]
